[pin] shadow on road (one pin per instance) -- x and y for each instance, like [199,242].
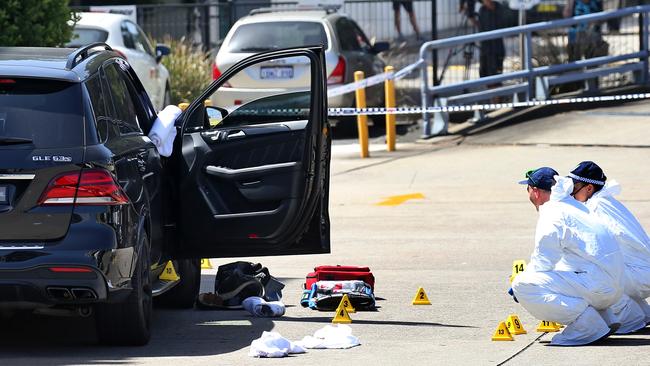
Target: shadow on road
[29,339]
[328,319]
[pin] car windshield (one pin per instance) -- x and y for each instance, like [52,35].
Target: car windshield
[84,36]
[259,37]
[45,113]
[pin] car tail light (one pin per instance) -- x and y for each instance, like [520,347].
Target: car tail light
[7,81]
[215,71]
[216,74]
[70,269]
[338,74]
[91,187]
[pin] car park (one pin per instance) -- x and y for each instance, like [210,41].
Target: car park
[91,216]
[127,39]
[347,49]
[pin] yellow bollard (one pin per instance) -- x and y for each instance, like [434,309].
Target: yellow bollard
[389,92]
[362,120]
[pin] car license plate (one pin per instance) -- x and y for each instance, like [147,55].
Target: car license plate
[547,8]
[4,199]
[276,72]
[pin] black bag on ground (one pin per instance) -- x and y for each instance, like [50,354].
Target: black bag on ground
[237,281]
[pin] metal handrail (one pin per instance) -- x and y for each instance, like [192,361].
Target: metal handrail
[529,73]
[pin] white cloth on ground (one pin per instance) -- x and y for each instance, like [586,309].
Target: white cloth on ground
[273,345]
[262,308]
[575,264]
[339,336]
[632,239]
[163,131]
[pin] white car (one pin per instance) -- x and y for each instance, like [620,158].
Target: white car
[347,49]
[127,39]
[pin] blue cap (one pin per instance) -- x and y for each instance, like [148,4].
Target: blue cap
[542,178]
[588,172]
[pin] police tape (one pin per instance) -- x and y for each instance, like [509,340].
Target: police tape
[373,80]
[336,112]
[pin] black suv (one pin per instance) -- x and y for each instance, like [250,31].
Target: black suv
[94,220]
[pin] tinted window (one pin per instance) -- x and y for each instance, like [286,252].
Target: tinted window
[138,41]
[105,126]
[350,36]
[259,37]
[124,109]
[50,113]
[83,36]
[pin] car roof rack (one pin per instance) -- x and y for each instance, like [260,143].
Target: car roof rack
[329,9]
[81,53]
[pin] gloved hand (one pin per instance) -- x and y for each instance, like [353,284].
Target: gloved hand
[512,293]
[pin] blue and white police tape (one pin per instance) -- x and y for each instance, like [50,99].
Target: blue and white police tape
[373,80]
[334,112]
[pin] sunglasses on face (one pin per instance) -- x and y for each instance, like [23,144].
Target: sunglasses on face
[529,176]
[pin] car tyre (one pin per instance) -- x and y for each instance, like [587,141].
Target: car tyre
[128,323]
[183,295]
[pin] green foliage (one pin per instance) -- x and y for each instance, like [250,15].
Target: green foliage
[35,23]
[189,70]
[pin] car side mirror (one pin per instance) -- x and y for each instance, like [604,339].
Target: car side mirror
[162,50]
[379,47]
[215,115]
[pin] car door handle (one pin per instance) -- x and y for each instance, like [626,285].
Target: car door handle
[234,135]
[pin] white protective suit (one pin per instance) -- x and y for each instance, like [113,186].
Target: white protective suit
[575,269]
[632,240]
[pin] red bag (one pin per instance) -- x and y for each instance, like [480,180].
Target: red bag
[340,273]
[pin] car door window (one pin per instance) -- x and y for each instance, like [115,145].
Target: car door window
[127,37]
[272,91]
[139,41]
[351,37]
[106,129]
[124,109]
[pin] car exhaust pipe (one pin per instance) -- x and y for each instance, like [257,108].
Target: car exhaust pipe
[85,311]
[60,293]
[83,294]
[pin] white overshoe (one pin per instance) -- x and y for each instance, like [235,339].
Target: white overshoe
[587,328]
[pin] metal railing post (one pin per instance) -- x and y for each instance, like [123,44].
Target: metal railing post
[643,33]
[424,92]
[528,62]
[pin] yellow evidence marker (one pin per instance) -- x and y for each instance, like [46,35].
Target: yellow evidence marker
[502,333]
[347,304]
[546,326]
[342,316]
[205,264]
[421,298]
[518,266]
[169,273]
[514,325]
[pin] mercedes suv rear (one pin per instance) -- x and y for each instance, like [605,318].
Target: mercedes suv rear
[94,221]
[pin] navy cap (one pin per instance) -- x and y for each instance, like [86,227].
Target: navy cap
[588,172]
[543,178]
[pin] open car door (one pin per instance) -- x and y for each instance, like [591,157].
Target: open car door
[253,177]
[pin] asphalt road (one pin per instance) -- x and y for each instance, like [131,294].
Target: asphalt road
[458,242]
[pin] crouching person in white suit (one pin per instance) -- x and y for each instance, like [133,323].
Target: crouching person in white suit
[591,186]
[575,270]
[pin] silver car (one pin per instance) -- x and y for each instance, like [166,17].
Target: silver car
[347,50]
